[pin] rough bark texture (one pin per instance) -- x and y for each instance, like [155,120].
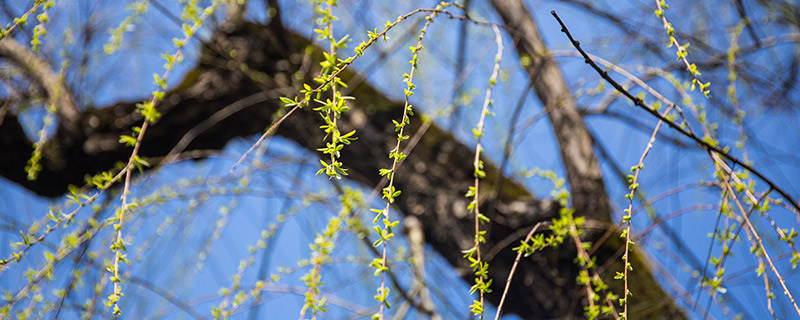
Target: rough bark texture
[434,178]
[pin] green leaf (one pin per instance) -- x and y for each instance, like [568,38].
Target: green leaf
[127,140]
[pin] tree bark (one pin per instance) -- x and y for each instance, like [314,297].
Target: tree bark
[433,178]
[589,195]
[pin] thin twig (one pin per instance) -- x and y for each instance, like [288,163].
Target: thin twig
[22,18]
[627,218]
[682,52]
[513,269]
[134,160]
[478,265]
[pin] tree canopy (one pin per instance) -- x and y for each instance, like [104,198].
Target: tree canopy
[354,159]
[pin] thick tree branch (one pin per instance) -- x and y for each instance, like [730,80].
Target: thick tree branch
[41,71]
[589,196]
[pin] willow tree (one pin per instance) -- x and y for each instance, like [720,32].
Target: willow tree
[276,163]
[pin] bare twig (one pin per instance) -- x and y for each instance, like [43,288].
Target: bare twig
[513,269]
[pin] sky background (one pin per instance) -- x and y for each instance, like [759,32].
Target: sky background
[191,245]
